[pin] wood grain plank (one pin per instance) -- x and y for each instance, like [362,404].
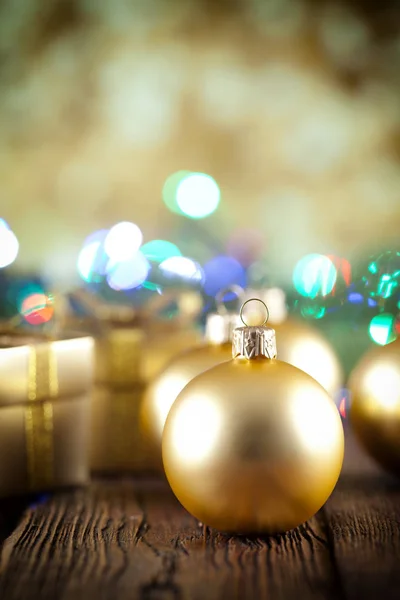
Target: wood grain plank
[132,539]
[363,517]
[213,566]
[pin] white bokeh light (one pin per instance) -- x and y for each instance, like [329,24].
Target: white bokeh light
[128,274]
[123,241]
[198,195]
[9,245]
[181,266]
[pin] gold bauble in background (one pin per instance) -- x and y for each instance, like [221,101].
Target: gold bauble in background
[306,348]
[253,445]
[163,391]
[164,343]
[375,404]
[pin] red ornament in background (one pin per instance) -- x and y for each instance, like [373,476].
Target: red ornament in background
[343,268]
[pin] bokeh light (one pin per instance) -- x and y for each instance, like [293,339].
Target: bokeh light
[313,312]
[92,259]
[160,250]
[183,268]
[355,298]
[383,275]
[36,309]
[246,245]
[123,241]
[9,245]
[221,272]
[86,259]
[170,188]
[314,275]
[382,329]
[128,274]
[198,195]
[343,268]
[342,400]
[397,326]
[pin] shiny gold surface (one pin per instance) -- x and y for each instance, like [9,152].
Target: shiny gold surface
[74,358]
[42,385]
[305,348]
[162,393]
[375,408]
[253,446]
[44,413]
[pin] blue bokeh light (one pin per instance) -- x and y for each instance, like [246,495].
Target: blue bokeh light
[221,272]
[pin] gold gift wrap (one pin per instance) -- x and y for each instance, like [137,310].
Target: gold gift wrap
[44,412]
[132,345]
[127,359]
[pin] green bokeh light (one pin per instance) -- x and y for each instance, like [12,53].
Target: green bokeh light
[381,329]
[159,250]
[388,284]
[170,188]
[313,312]
[383,277]
[314,275]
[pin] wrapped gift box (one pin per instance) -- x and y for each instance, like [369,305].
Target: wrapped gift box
[131,347]
[44,412]
[127,358]
[116,441]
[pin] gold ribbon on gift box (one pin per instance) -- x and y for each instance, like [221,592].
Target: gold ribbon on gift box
[42,387]
[118,357]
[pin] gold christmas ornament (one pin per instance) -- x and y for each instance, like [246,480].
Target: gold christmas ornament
[299,344]
[253,444]
[163,391]
[307,349]
[375,404]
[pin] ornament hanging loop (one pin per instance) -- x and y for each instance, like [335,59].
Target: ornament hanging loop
[254,300]
[254,341]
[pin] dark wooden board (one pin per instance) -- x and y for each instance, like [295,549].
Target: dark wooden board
[129,538]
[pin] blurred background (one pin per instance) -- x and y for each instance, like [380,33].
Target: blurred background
[148,144]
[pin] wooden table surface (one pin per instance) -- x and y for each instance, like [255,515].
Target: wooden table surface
[128,539]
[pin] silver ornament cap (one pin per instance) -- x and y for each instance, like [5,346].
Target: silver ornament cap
[252,342]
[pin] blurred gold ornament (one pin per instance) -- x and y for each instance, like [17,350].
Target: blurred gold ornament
[163,391]
[163,344]
[307,349]
[253,444]
[375,404]
[299,343]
